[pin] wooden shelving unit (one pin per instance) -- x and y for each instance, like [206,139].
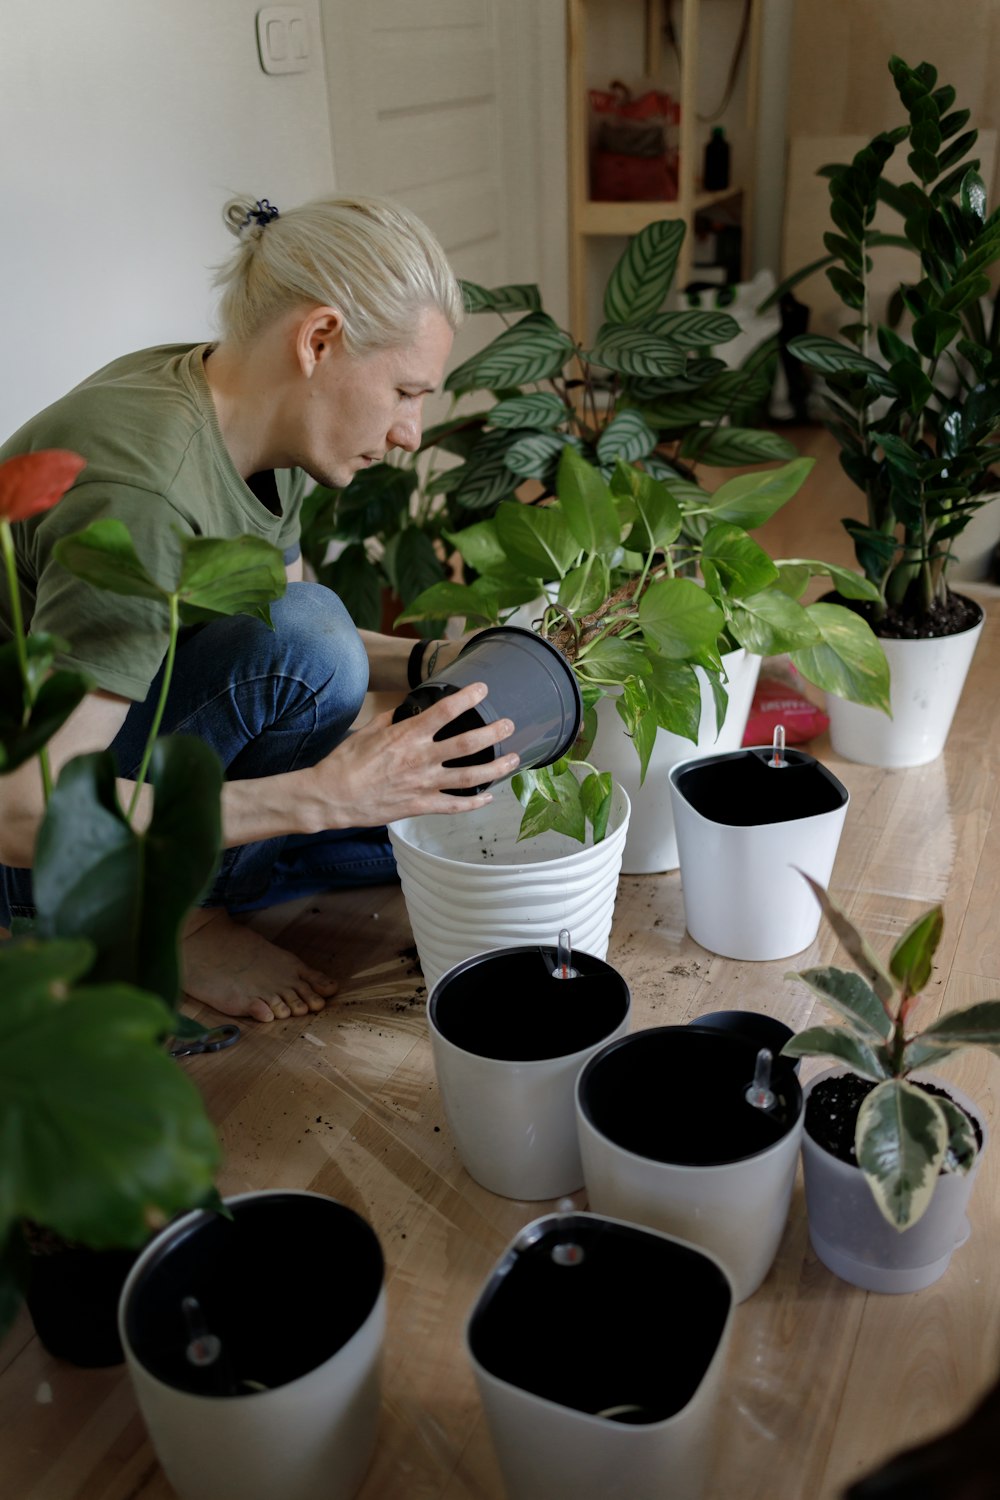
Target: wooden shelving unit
[589,218]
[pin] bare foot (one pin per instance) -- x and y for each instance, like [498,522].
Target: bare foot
[237,971]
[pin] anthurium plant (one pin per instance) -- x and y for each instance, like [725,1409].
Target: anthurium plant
[105,1137]
[611,564]
[905,1136]
[916,414]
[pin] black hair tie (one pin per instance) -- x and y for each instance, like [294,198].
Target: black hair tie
[262,214]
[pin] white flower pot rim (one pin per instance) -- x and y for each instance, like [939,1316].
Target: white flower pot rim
[685,1168]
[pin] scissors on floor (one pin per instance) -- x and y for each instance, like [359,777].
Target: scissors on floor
[214,1040]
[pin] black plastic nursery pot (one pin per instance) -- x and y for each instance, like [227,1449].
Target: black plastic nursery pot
[602,1317]
[510,1004]
[677,1094]
[72,1297]
[530,682]
[741,790]
[271,1334]
[757,1028]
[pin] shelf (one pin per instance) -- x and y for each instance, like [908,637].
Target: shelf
[597,218]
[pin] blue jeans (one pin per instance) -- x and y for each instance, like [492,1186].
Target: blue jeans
[266,701]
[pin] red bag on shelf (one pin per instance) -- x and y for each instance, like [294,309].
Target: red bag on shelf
[779,701]
[632,158]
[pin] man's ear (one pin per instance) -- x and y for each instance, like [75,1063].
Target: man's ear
[317,336]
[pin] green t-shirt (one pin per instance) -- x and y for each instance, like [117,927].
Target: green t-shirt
[147,427]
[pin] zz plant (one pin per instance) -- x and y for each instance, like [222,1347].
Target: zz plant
[904,1136]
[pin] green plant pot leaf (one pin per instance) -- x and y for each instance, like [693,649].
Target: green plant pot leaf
[736,445]
[485,479]
[23,736]
[416,565]
[477,603]
[680,619]
[129,893]
[595,797]
[105,1137]
[478,545]
[103,555]
[837,1041]
[831,357]
[587,504]
[751,499]
[739,567]
[849,585]
[501,299]
[911,959]
[537,539]
[639,283]
[769,623]
[535,348]
[536,409]
[237,576]
[962,1148]
[854,941]
[900,1142]
[627,436]
[30,968]
[632,351]
[612,659]
[793,577]
[976,1026]
[709,402]
[694,329]
[848,661]
[585,589]
[535,454]
[675,697]
[552,800]
[852,997]
[358,584]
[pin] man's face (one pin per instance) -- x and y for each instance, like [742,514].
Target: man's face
[361,406]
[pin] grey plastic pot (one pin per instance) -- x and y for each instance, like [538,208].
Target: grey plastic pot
[530,682]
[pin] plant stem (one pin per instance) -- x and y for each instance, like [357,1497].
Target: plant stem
[20,641]
[154,728]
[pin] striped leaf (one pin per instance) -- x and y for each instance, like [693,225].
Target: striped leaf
[736,445]
[640,281]
[976,1026]
[632,351]
[831,357]
[963,1146]
[693,329]
[627,436]
[900,1142]
[534,455]
[837,1041]
[520,298]
[852,997]
[715,398]
[536,409]
[484,478]
[534,349]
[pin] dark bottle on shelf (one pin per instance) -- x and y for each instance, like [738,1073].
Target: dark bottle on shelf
[716,161]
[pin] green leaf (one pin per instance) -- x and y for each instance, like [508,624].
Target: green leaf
[633,351]
[769,623]
[963,1147]
[533,349]
[484,478]
[537,539]
[734,564]
[477,603]
[976,1026]
[585,589]
[639,283]
[709,402]
[675,697]
[537,409]
[514,298]
[857,945]
[627,436]
[415,564]
[848,661]
[911,959]
[900,1142]
[848,584]
[595,795]
[358,584]
[836,1041]
[587,504]
[933,332]
[103,1133]
[534,455]
[24,733]
[751,499]
[554,801]
[478,545]
[851,996]
[680,618]
[611,660]
[103,555]
[237,576]
[737,445]
[831,357]
[129,893]
[694,329]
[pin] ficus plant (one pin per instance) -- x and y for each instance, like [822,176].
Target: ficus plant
[915,407]
[105,1136]
[905,1137]
[611,566]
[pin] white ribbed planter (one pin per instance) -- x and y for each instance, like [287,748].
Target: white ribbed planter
[470,886]
[926,681]
[651,843]
[850,1235]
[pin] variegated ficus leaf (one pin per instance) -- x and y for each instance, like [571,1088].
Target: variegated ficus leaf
[837,1041]
[852,997]
[900,1142]
[856,944]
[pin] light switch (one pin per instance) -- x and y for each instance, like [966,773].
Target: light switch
[283,39]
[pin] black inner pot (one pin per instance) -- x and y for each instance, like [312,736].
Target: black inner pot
[677,1094]
[742,790]
[510,1006]
[604,1318]
[273,1329]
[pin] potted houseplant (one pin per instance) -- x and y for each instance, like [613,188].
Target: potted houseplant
[113,1139]
[889,1157]
[915,417]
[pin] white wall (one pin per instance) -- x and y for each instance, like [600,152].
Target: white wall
[126,124]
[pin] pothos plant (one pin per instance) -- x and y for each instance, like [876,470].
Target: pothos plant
[610,565]
[905,1136]
[105,1137]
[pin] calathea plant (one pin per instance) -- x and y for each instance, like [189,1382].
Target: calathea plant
[610,564]
[105,1136]
[905,1136]
[915,417]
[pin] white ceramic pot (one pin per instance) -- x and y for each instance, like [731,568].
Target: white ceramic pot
[853,1239]
[316,1342]
[926,681]
[668,1141]
[469,886]
[743,895]
[651,843]
[598,1349]
[509,1038]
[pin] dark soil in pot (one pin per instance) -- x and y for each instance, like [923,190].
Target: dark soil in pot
[832,1109]
[956,614]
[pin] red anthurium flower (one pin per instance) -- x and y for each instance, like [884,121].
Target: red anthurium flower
[31,482]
